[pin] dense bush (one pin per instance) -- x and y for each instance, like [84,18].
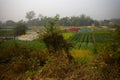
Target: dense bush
[107,66]
[54,40]
[108,62]
[16,60]
[20,29]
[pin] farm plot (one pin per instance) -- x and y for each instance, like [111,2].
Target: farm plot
[88,41]
[102,37]
[67,35]
[83,41]
[6,32]
[33,45]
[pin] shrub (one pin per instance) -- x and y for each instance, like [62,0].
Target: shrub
[20,29]
[39,58]
[16,60]
[54,40]
[107,66]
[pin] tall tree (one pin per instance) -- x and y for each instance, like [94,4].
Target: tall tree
[30,15]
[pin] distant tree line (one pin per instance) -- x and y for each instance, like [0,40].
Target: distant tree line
[8,23]
[41,20]
[81,20]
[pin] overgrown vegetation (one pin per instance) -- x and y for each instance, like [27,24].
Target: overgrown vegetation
[108,62]
[54,40]
[20,29]
[21,60]
[54,59]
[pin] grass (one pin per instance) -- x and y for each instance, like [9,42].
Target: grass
[35,45]
[82,56]
[67,35]
[6,32]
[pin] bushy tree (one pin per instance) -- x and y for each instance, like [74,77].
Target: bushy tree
[20,29]
[30,15]
[54,40]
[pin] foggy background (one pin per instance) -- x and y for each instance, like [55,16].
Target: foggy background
[97,9]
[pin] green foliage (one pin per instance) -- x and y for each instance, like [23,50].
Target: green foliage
[6,32]
[91,47]
[17,58]
[33,45]
[20,29]
[20,59]
[81,20]
[1,24]
[83,41]
[108,62]
[114,45]
[117,34]
[30,15]
[10,23]
[67,35]
[102,37]
[54,40]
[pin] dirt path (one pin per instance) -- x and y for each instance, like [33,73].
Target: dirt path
[29,36]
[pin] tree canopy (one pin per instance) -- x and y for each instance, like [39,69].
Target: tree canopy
[30,15]
[20,29]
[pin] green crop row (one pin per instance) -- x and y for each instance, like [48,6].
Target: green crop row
[102,37]
[34,45]
[81,40]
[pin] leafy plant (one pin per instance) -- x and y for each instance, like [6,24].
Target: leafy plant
[20,29]
[54,40]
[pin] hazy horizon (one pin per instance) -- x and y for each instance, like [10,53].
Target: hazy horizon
[96,9]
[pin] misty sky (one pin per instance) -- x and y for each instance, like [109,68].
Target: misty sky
[97,9]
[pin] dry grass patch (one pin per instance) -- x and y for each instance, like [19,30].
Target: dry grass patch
[83,56]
